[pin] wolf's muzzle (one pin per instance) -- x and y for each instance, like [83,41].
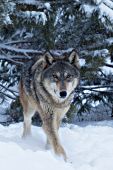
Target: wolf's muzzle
[63,94]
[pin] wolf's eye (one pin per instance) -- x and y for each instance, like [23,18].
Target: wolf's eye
[55,76]
[69,76]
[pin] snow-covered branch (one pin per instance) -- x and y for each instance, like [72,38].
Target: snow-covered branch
[7,95]
[17,42]
[19,51]
[100,88]
[8,89]
[28,53]
[109,4]
[12,59]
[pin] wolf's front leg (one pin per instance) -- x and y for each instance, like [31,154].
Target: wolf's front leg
[57,121]
[51,131]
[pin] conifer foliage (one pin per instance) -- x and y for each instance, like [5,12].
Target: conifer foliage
[29,27]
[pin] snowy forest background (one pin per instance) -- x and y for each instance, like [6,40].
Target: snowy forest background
[30,27]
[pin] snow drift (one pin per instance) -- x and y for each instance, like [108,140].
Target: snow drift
[88,148]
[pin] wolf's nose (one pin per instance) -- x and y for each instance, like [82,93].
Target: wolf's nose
[63,94]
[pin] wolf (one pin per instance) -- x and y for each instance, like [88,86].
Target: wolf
[47,86]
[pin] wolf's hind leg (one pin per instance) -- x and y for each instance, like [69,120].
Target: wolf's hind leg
[29,109]
[28,114]
[47,144]
[27,123]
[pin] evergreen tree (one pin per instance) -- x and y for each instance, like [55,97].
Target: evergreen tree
[36,26]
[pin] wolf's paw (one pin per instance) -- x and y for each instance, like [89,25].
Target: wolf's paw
[59,150]
[26,135]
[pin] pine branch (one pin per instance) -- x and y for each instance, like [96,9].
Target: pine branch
[7,89]
[11,59]
[18,42]
[19,51]
[26,52]
[37,6]
[7,95]
[97,89]
[96,46]
[109,4]
[41,3]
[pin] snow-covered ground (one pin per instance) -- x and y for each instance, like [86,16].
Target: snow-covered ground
[89,147]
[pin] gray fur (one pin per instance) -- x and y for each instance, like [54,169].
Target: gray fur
[40,88]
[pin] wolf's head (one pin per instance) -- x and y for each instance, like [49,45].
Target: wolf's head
[60,76]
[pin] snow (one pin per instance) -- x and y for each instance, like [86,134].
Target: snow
[102,52]
[29,1]
[110,40]
[106,11]
[82,62]
[107,70]
[47,5]
[89,147]
[105,8]
[109,3]
[38,16]
[7,20]
[98,1]
[88,9]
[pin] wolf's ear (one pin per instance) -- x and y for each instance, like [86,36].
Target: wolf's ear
[74,59]
[40,64]
[48,58]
